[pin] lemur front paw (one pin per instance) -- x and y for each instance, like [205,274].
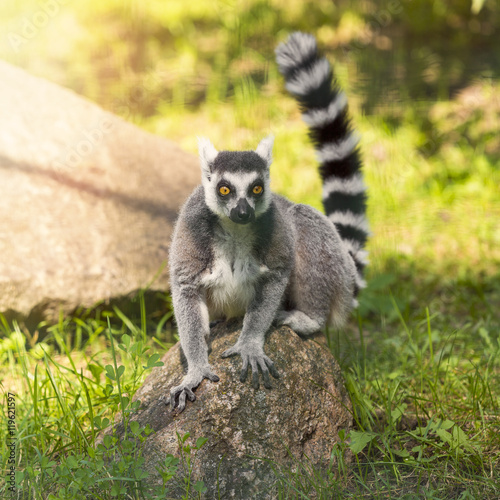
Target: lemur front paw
[253,355]
[190,382]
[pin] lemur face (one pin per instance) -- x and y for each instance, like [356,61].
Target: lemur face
[236,183]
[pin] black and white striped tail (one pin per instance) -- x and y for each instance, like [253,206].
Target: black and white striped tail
[309,78]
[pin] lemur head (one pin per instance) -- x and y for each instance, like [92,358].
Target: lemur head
[236,183]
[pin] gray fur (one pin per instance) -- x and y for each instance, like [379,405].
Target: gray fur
[338,150]
[309,79]
[323,116]
[287,266]
[299,48]
[265,149]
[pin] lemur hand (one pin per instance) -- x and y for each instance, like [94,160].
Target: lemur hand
[253,354]
[190,382]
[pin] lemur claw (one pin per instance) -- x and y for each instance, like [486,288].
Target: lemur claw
[185,390]
[255,358]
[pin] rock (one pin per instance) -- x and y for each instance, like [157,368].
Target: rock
[88,200]
[301,415]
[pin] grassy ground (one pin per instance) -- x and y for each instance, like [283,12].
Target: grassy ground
[422,356]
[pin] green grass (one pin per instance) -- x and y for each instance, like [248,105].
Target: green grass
[425,398]
[421,358]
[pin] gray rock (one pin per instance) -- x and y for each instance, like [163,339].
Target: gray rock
[87,200]
[301,415]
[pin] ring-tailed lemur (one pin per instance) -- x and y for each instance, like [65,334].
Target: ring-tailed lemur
[240,250]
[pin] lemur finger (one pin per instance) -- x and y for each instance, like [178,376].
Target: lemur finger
[190,394]
[272,369]
[213,377]
[265,375]
[255,380]
[244,370]
[255,374]
[182,400]
[228,352]
[173,393]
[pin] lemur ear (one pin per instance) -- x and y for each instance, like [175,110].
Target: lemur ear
[207,153]
[265,149]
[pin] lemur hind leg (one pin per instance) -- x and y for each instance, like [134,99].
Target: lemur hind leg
[299,322]
[322,283]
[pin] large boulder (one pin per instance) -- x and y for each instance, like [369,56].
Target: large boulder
[87,200]
[301,416]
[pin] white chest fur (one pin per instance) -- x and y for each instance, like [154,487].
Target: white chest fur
[230,283]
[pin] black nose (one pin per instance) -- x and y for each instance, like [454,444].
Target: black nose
[243,212]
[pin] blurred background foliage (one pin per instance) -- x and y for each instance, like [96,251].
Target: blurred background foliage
[421,75]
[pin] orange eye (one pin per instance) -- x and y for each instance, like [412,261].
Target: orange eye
[224,190]
[257,189]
